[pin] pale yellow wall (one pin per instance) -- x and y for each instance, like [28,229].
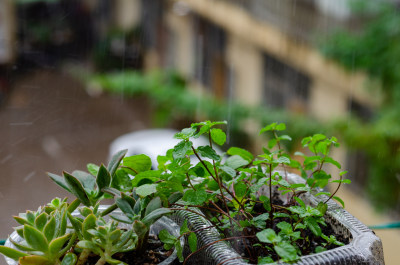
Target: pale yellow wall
[184,47]
[246,62]
[326,102]
[127,13]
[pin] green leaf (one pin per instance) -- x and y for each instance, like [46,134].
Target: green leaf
[192,240]
[181,149]
[280,127]
[88,223]
[69,259]
[93,169]
[235,162]
[41,221]
[174,197]
[12,253]
[286,251]
[146,177]
[195,197]
[266,203]
[333,162]
[56,244]
[228,170]
[184,228]
[126,206]
[218,136]
[85,244]
[35,239]
[115,235]
[146,190]
[285,227]
[260,221]
[76,188]
[155,215]
[85,179]
[50,229]
[185,134]
[179,250]
[240,189]
[60,181]
[103,180]
[312,224]
[121,181]
[166,237]
[268,236]
[283,160]
[319,249]
[300,201]
[269,127]
[339,200]
[154,204]
[322,207]
[22,246]
[137,163]
[208,152]
[264,260]
[285,137]
[34,260]
[272,143]
[115,161]
[246,155]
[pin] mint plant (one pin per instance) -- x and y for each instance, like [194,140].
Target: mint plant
[237,192]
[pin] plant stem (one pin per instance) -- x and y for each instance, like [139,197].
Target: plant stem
[222,186]
[101,261]
[83,257]
[333,194]
[109,209]
[270,186]
[190,183]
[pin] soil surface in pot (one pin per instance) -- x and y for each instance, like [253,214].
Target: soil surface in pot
[154,254]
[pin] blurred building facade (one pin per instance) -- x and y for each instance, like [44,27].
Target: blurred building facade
[257,52]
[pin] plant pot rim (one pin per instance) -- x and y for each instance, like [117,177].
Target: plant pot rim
[163,223]
[364,247]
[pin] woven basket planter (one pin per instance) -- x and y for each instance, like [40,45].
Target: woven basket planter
[364,247]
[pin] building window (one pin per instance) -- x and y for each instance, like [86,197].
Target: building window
[211,69]
[360,111]
[284,86]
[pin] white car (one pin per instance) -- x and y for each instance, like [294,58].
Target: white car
[153,142]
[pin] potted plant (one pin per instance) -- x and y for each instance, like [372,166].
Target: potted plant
[86,232]
[232,209]
[247,209]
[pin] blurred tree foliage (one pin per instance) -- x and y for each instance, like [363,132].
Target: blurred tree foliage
[172,100]
[375,50]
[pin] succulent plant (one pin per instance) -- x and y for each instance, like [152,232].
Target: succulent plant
[87,187]
[104,239]
[45,236]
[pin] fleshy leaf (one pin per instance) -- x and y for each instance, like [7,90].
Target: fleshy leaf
[115,161]
[76,188]
[12,253]
[35,238]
